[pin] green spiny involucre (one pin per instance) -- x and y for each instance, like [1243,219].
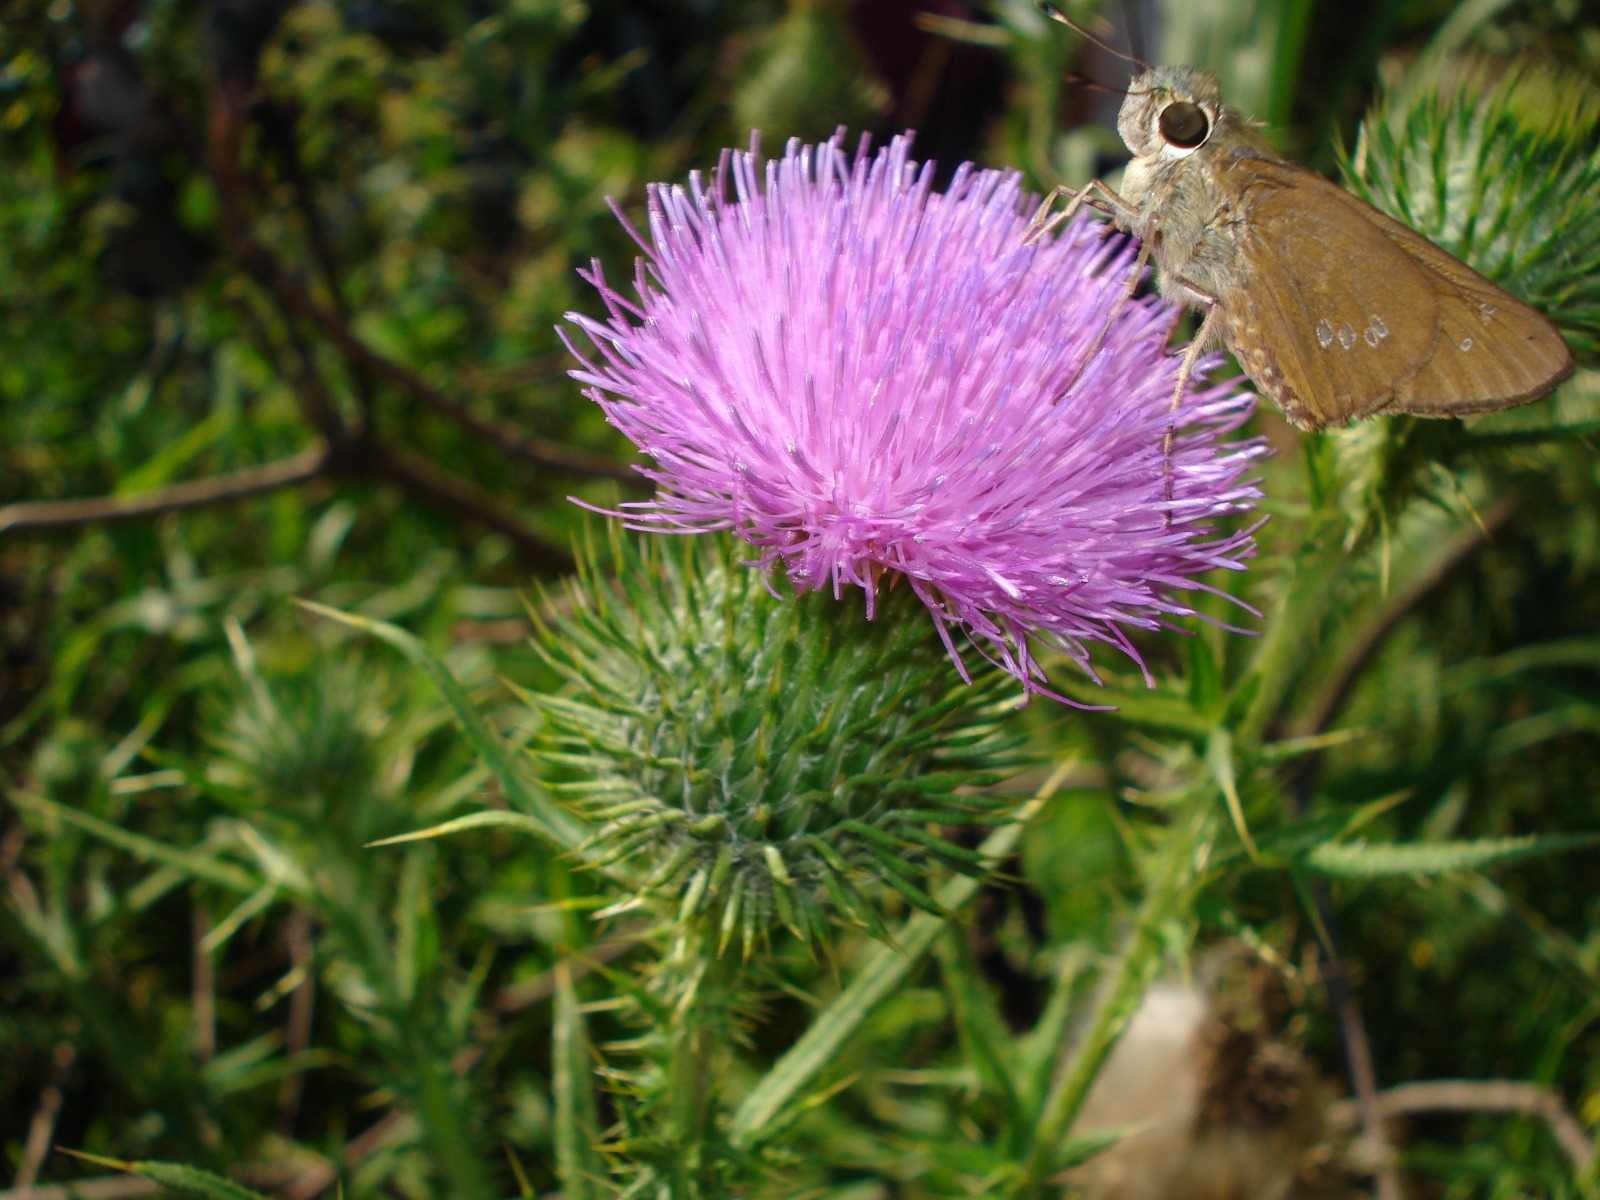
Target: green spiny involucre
[756,759]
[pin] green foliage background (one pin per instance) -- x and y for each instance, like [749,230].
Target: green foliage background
[330,240]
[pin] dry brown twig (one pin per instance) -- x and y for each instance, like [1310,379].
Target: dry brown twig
[1456,552]
[203,985]
[105,1187]
[41,1130]
[267,1177]
[296,301]
[342,452]
[1482,1096]
[38,515]
[299,939]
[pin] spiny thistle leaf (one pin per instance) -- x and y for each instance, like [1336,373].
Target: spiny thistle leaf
[1387,860]
[1079,1150]
[761,760]
[494,818]
[309,742]
[774,1101]
[556,826]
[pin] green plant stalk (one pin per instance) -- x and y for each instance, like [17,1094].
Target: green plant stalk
[577,1122]
[700,986]
[1291,631]
[421,1057]
[1177,868]
[443,1119]
[886,969]
[1039,119]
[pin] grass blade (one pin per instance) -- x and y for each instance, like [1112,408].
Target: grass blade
[196,866]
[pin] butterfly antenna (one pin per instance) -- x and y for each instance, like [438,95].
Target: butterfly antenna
[1078,79]
[1055,14]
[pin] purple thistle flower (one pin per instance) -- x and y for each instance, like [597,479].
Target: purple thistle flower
[860,377]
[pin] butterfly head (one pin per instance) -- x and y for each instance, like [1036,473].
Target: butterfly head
[1171,112]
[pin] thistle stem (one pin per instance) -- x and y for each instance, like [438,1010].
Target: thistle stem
[1177,867]
[698,984]
[1291,633]
[886,968]
[444,1120]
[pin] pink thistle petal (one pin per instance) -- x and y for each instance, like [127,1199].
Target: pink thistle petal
[857,374]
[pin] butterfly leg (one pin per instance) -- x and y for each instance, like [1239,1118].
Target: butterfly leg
[1210,329]
[1096,195]
[1132,285]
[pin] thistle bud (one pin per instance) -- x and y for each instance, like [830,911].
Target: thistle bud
[755,760]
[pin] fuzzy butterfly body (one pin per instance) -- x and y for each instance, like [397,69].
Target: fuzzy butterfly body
[1333,309]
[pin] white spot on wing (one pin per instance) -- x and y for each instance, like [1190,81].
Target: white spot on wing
[1347,336]
[1485,311]
[1466,343]
[1324,333]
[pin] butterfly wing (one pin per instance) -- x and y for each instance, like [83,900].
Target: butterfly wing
[1494,351]
[1347,313]
[1331,320]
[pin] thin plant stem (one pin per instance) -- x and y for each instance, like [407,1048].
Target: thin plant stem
[1178,865]
[886,968]
[697,993]
[1364,645]
[444,1121]
[1292,628]
[1291,637]
[1358,1056]
[42,1129]
[29,516]
[1495,1095]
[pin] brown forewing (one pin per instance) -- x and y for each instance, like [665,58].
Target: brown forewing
[1494,351]
[1342,312]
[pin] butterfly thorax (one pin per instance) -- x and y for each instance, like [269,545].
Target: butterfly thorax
[1184,200]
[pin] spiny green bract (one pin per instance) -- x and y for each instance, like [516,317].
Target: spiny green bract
[759,759]
[1500,166]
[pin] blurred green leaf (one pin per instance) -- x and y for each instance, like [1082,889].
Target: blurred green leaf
[1379,860]
[577,1113]
[197,866]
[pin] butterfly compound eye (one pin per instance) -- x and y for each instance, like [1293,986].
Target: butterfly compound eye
[1184,124]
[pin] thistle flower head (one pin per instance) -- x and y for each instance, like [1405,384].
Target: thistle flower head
[867,379]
